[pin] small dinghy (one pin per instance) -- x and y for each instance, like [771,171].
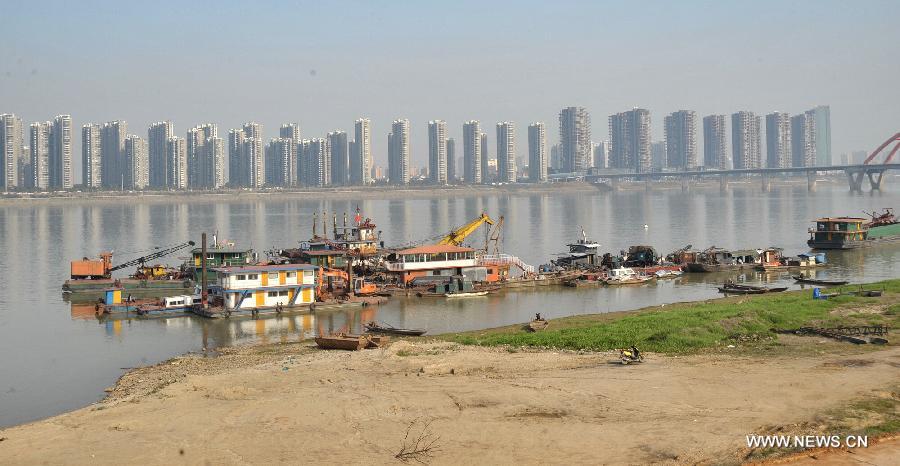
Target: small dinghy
[813,281]
[374,327]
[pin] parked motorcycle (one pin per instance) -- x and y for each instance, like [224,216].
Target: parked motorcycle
[630,355]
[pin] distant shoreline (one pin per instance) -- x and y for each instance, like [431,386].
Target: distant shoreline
[385,192]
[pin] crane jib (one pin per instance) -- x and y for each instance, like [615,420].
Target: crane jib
[155,255]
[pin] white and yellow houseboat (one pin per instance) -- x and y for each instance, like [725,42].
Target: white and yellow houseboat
[250,287]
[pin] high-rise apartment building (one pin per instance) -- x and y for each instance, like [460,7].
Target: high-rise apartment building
[803,139]
[472,152]
[714,145]
[658,156]
[246,164]
[778,140]
[59,167]
[112,154]
[137,163]
[157,142]
[38,176]
[486,176]
[681,140]
[629,137]
[90,155]
[176,160]
[601,154]
[315,162]
[822,115]
[237,175]
[291,131]
[361,153]
[201,156]
[437,151]
[506,152]
[745,140]
[451,160]
[398,152]
[278,161]
[574,139]
[340,158]
[11,150]
[253,154]
[537,152]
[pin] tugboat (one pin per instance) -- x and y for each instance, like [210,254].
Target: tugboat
[854,232]
[582,254]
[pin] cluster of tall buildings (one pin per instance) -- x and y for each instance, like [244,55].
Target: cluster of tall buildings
[43,161]
[114,159]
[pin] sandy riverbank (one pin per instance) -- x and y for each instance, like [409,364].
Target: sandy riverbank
[351,193]
[290,403]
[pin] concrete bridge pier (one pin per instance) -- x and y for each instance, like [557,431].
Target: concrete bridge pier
[614,184]
[685,184]
[856,180]
[723,183]
[648,185]
[766,183]
[875,178]
[811,181]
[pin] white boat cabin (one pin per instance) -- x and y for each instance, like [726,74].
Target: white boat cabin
[266,286]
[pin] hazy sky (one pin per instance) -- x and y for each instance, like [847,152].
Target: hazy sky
[324,64]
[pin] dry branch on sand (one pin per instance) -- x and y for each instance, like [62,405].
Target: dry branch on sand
[422,449]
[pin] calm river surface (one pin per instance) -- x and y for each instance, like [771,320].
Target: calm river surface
[53,358]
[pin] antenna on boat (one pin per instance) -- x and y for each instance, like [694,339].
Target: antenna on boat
[315,223]
[583,235]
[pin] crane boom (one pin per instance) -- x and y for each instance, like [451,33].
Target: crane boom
[457,236]
[141,260]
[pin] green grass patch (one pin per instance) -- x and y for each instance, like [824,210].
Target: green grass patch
[687,327]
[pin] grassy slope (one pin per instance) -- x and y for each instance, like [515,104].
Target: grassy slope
[686,327]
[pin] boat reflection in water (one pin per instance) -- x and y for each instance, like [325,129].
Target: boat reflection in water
[224,332]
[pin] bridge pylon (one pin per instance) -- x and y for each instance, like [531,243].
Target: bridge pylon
[811,181]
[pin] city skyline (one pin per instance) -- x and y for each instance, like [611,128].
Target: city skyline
[281,161]
[312,71]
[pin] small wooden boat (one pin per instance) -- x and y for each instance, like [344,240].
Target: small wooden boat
[466,294]
[343,342]
[374,327]
[812,281]
[636,280]
[734,288]
[537,325]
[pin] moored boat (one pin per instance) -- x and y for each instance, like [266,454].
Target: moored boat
[854,232]
[813,281]
[374,327]
[735,288]
[466,294]
[626,276]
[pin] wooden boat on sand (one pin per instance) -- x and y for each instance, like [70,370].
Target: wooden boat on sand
[537,325]
[351,342]
[342,342]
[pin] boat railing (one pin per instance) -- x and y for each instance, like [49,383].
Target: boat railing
[505,259]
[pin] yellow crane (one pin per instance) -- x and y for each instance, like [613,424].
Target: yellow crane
[457,236]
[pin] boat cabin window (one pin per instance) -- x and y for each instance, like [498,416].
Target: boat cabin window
[253,276]
[290,274]
[273,294]
[273,275]
[241,277]
[283,293]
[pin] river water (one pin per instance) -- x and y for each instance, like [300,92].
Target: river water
[54,357]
